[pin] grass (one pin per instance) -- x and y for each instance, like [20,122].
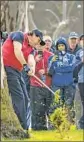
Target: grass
[72,135]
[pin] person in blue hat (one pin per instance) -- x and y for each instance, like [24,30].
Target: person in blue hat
[81,83]
[75,49]
[61,70]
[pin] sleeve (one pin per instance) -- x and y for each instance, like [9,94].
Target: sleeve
[51,70]
[17,36]
[80,54]
[50,61]
[33,52]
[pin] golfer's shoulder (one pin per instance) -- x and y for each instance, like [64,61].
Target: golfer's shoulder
[17,36]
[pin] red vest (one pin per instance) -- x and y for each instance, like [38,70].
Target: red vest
[9,58]
[42,64]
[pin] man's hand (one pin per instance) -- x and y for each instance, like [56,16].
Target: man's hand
[31,63]
[30,73]
[38,58]
[26,68]
[41,71]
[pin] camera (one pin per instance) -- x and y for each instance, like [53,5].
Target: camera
[40,53]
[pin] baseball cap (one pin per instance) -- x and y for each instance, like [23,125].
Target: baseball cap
[73,35]
[46,37]
[82,36]
[40,35]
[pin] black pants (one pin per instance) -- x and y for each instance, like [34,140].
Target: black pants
[27,80]
[19,95]
[41,99]
[81,90]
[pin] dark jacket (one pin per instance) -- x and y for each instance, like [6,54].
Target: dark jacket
[62,68]
[77,53]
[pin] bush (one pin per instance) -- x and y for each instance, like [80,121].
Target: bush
[59,116]
[59,119]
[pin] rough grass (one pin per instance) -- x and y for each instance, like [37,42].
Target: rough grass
[72,135]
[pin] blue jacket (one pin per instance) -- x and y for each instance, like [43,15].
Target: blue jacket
[81,72]
[78,52]
[61,70]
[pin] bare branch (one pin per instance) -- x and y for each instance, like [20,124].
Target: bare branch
[32,21]
[59,28]
[51,24]
[21,21]
[54,14]
[70,8]
[57,7]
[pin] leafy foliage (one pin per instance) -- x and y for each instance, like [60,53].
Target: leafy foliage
[59,117]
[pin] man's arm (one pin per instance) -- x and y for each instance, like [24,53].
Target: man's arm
[31,64]
[17,39]
[18,52]
[51,70]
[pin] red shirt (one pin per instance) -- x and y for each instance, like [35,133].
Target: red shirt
[9,58]
[42,64]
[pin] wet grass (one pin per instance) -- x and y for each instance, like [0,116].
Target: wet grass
[72,135]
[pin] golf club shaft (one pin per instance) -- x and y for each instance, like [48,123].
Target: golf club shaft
[44,84]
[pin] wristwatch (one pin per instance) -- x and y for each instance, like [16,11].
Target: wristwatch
[26,68]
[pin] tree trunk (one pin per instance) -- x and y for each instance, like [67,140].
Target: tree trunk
[10,126]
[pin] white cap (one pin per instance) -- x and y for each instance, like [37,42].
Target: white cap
[46,37]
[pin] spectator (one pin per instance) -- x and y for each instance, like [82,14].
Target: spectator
[81,83]
[74,48]
[61,70]
[3,36]
[40,96]
[82,40]
[49,43]
[15,51]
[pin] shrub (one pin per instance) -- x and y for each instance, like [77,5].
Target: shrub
[59,116]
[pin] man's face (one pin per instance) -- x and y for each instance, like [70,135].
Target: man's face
[35,40]
[39,47]
[82,42]
[73,42]
[48,44]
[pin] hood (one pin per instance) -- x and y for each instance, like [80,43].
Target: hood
[61,41]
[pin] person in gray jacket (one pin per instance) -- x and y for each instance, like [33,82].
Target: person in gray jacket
[74,48]
[81,83]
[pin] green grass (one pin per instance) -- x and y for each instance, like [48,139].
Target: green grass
[72,135]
